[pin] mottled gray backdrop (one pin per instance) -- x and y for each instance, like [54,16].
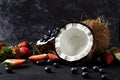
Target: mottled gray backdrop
[30,19]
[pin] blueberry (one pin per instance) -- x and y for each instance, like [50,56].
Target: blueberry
[54,31]
[57,28]
[85,74]
[41,40]
[56,65]
[104,77]
[8,70]
[46,37]
[49,61]
[41,62]
[48,69]
[74,70]
[49,31]
[84,69]
[101,71]
[96,68]
[52,35]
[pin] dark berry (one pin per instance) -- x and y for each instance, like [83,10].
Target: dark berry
[46,37]
[57,28]
[49,61]
[84,69]
[104,77]
[96,68]
[41,62]
[85,74]
[48,69]
[8,70]
[74,70]
[54,31]
[41,40]
[101,71]
[56,65]
[52,35]
[49,31]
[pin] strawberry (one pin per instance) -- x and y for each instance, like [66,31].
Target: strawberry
[25,52]
[2,44]
[118,49]
[16,49]
[23,44]
[108,58]
[38,57]
[52,56]
[13,62]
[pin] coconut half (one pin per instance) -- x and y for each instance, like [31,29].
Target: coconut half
[78,43]
[74,42]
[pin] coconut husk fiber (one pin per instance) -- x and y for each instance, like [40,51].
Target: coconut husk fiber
[101,33]
[100,30]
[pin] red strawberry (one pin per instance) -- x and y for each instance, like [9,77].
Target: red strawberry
[17,52]
[25,52]
[23,44]
[108,58]
[16,49]
[37,57]
[118,49]
[2,44]
[52,56]
[13,62]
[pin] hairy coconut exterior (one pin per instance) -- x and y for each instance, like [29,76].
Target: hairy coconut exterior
[101,34]
[101,41]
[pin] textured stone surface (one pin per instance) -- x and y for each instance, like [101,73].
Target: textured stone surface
[30,19]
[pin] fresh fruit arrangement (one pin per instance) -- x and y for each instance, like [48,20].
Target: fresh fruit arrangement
[110,55]
[13,62]
[16,51]
[25,50]
[14,56]
[77,43]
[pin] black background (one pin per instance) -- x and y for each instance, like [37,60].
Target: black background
[30,19]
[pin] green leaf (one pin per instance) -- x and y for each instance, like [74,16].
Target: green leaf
[6,53]
[34,49]
[113,49]
[99,59]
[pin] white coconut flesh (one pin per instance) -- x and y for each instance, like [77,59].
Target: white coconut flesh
[74,42]
[42,43]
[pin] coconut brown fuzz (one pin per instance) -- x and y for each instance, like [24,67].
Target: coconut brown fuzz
[101,34]
[101,41]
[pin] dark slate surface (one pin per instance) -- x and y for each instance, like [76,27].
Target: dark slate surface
[30,19]
[29,71]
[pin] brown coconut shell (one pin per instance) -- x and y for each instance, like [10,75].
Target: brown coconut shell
[48,46]
[101,41]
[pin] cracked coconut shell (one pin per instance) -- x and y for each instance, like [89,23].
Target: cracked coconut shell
[89,48]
